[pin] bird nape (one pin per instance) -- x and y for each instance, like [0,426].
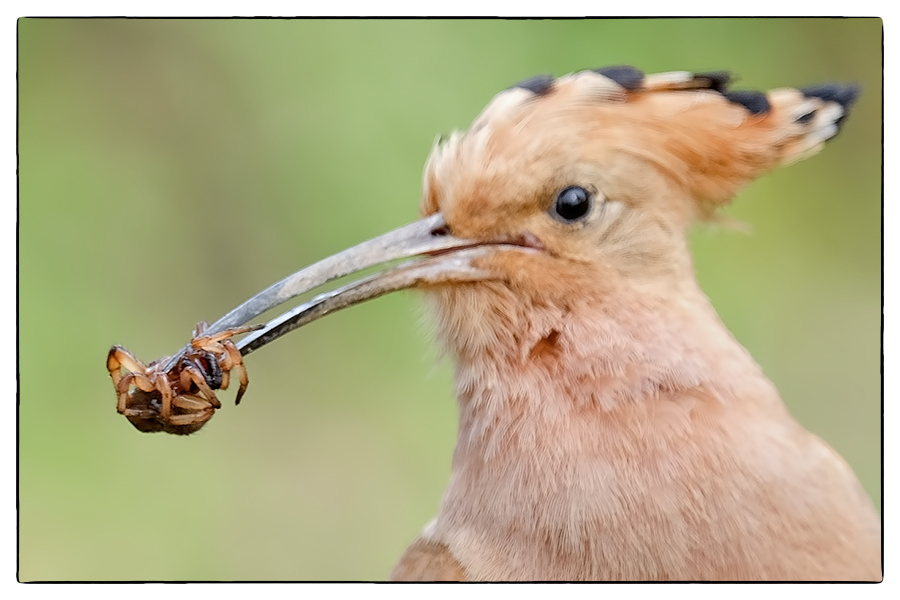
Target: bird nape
[610,428]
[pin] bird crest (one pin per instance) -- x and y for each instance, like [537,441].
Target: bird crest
[708,140]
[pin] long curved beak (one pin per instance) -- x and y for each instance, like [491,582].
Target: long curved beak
[445,259]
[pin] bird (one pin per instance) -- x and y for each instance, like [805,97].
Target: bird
[610,425]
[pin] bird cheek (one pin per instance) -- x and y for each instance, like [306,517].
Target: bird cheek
[542,277]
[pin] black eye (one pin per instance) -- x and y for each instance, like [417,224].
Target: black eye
[572,204]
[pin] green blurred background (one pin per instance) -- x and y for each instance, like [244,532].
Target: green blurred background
[169,169]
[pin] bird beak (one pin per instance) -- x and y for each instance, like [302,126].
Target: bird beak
[443,258]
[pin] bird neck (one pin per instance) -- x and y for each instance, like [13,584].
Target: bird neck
[595,352]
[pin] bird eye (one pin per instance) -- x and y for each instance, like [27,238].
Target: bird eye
[572,204]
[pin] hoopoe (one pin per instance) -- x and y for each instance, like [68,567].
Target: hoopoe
[611,428]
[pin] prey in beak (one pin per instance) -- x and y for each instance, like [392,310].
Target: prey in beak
[176,394]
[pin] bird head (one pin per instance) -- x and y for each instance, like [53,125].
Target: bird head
[603,172]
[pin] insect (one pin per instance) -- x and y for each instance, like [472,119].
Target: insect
[179,399]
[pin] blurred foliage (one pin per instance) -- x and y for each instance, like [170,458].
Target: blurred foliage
[171,168]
